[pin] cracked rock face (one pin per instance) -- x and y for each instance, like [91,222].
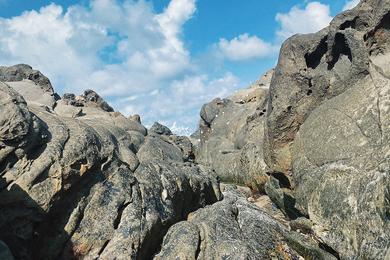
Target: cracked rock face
[89,186]
[231,135]
[328,128]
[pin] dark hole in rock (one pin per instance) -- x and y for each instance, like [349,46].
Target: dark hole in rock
[348,24]
[340,47]
[289,205]
[289,108]
[309,92]
[284,182]
[313,59]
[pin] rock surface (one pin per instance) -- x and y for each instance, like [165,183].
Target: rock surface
[325,154]
[328,129]
[81,181]
[25,72]
[236,229]
[89,99]
[89,186]
[231,135]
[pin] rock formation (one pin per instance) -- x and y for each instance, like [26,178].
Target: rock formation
[327,132]
[310,140]
[231,135]
[236,229]
[82,182]
[328,129]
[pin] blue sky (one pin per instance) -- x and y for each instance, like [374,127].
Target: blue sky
[161,59]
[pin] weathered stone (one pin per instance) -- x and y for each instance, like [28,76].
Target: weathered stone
[136,118]
[91,97]
[328,126]
[160,129]
[23,71]
[231,133]
[15,119]
[91,186]
[233,229]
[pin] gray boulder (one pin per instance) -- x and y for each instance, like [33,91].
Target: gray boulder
[89,99]
[160,129]
[328,129]
[22,71]
[236,229]
[29,83]
[230,135]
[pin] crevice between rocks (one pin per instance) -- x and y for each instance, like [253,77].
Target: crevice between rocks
[118,218]
[329,249]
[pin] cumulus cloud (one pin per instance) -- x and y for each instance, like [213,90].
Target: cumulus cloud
[109,46]
[245,47]
[314,17]
[184,97]
[126,51]
[134,56]
[350,4]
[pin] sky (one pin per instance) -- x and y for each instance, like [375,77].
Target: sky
[161,59]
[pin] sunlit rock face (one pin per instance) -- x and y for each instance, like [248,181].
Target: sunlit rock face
[328,128]
[79,180]
[231,134]
[310,140]
[322,148]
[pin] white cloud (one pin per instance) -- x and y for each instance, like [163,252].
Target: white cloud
[72,46]
[135,57]
[173,18]
[245,47]
[350,4]
[124,50]
[185,97]
[314,17]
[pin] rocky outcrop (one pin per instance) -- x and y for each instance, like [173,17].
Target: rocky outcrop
[328,129]
[160,129]
[231,135]
[25,72]
[78,180]
[326,145]
[89,183]
[89,98]
[236,229]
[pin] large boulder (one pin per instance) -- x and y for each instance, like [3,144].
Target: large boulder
[25,72]
[89,99]
[328,129]
[236,229]
[231,135]
[91,185]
